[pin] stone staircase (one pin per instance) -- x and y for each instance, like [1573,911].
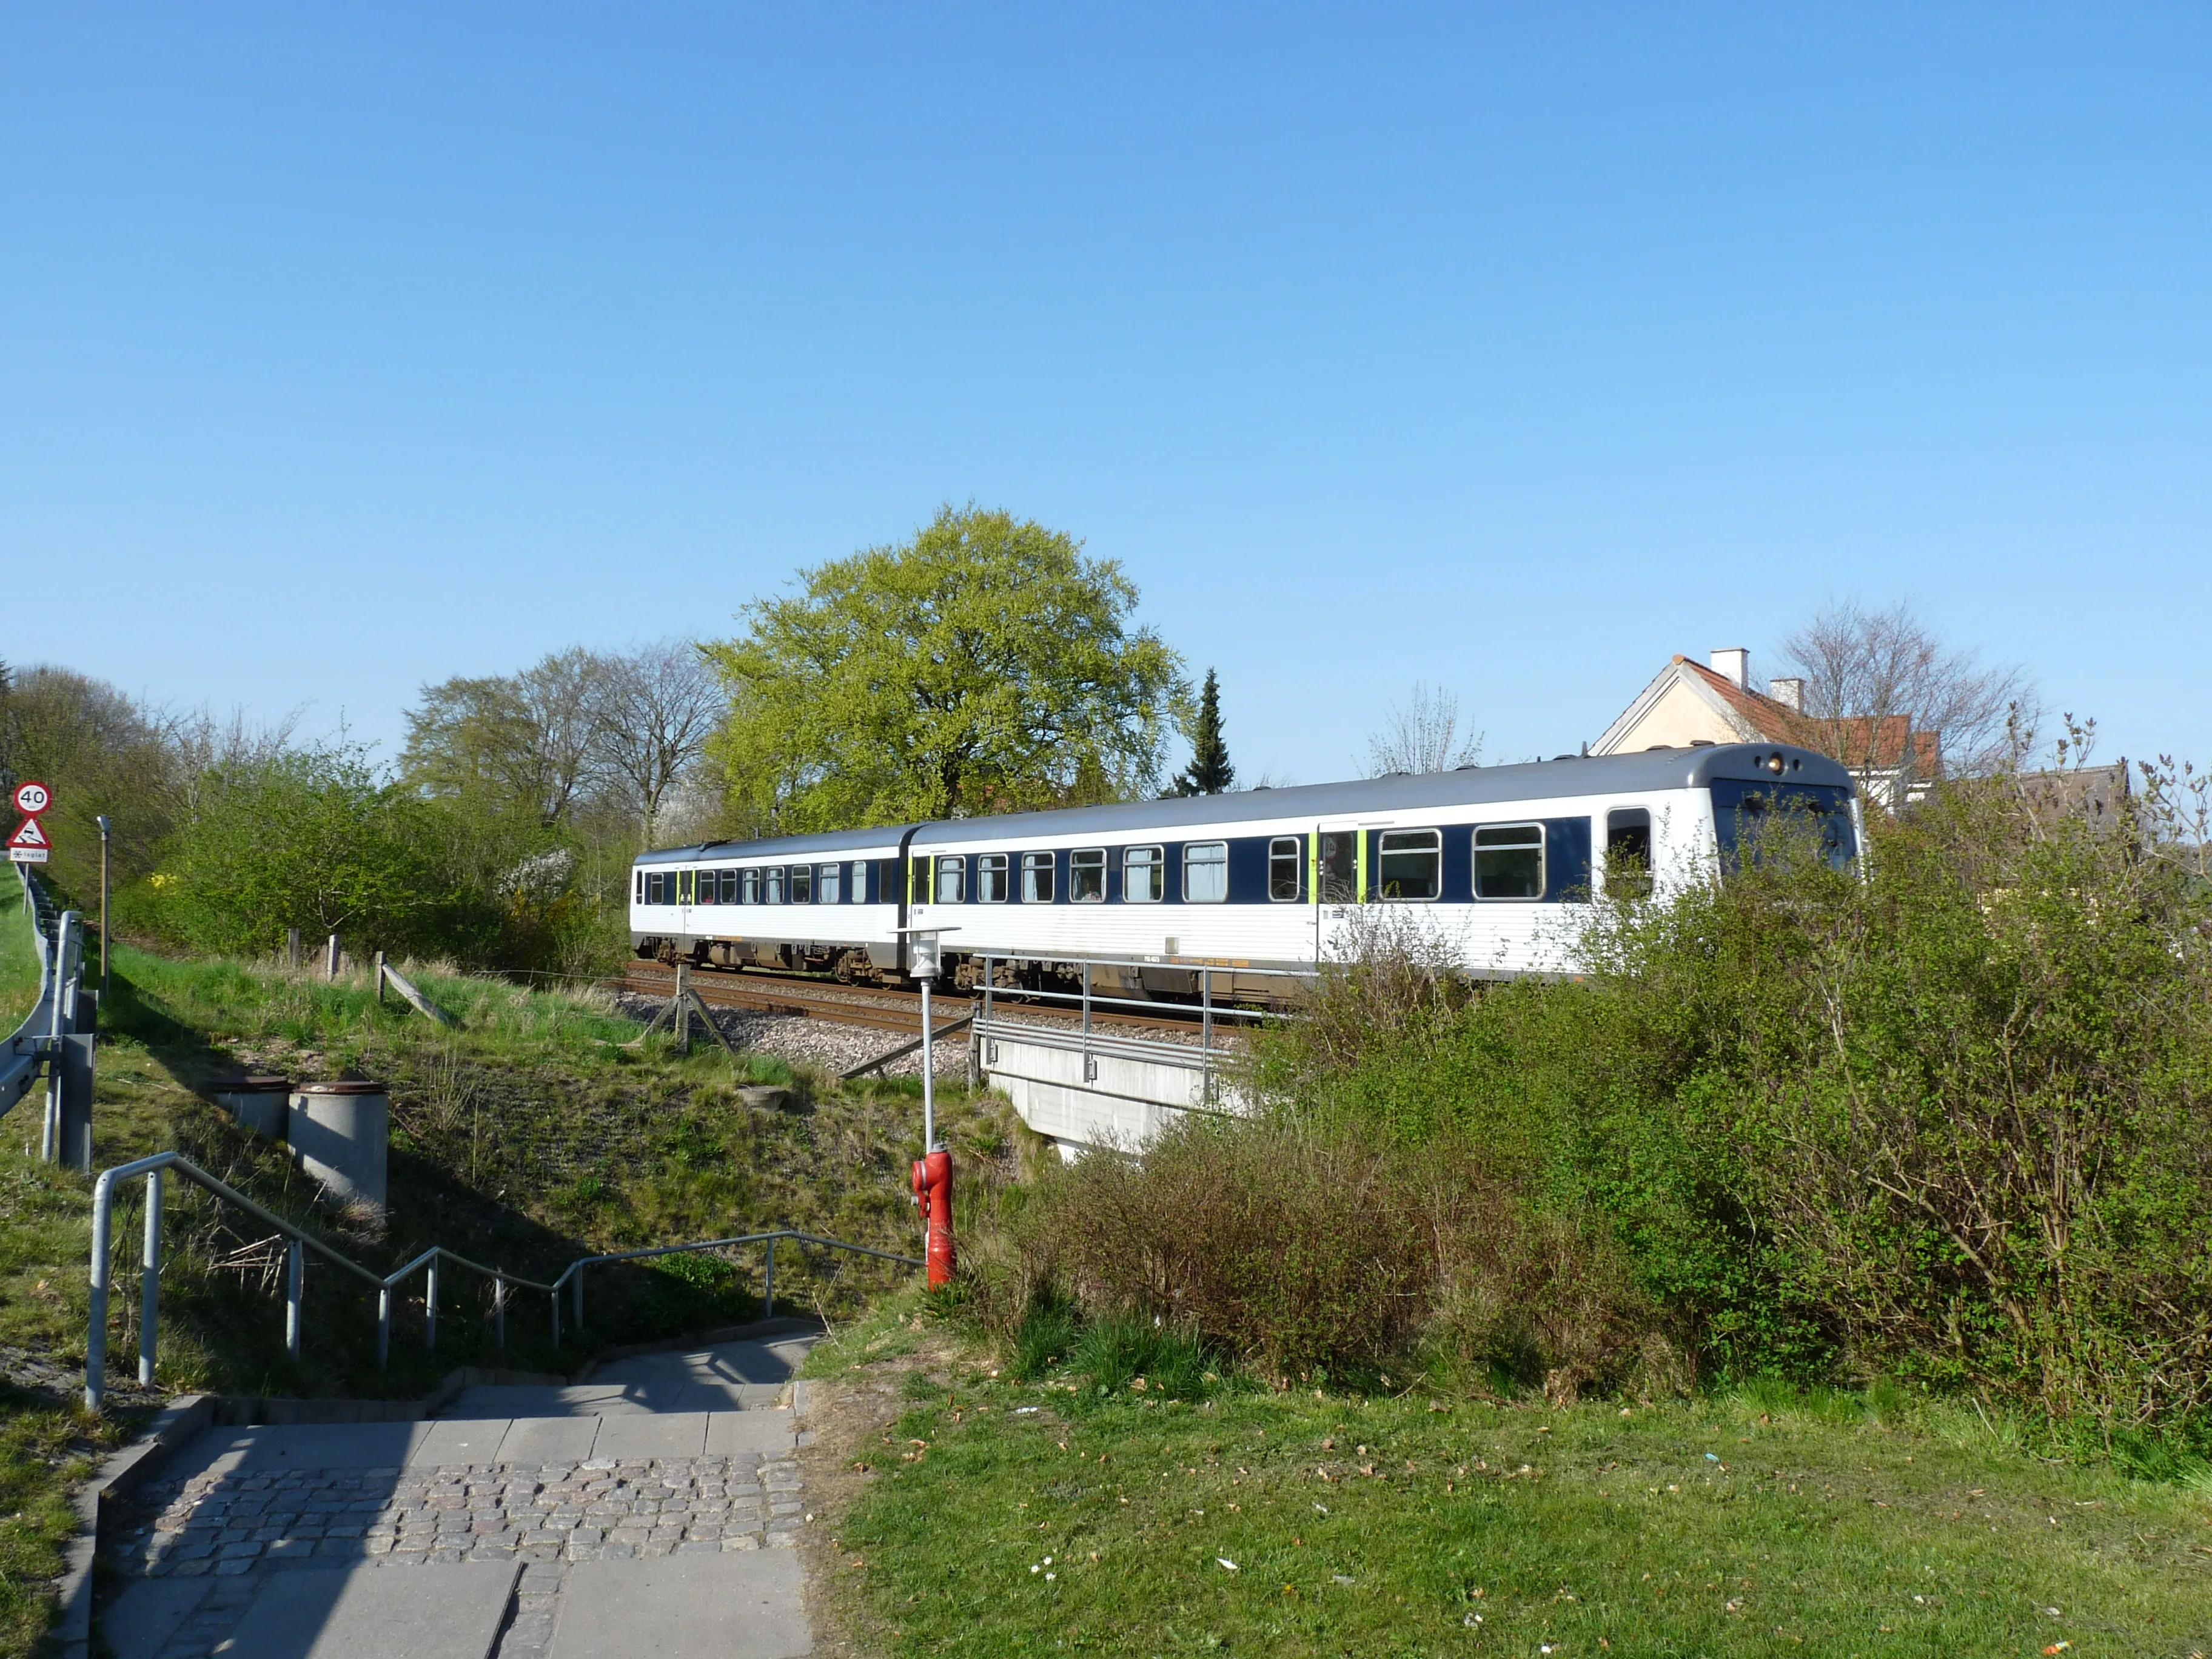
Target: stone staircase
[648,1511]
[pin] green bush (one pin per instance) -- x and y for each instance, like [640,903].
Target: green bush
[1305,1245]
[1943,1119]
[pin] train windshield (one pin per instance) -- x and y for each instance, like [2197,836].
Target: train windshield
[1753,819]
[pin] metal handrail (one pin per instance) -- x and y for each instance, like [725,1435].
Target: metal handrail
[302,1241]
[62,1011]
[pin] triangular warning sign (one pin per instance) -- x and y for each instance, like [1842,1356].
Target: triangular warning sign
[28,834]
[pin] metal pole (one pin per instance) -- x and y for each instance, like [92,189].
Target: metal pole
[1206,1038]
[295,1291]
[330,959]
[768,1291]
[556,1300]
[149,1290]
[499,1311]
[383,1326]
[102,822]
[1086,1010]
[95,1331]
[431,1306]
[928,1076]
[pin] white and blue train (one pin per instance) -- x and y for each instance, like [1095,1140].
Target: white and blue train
[1254,882]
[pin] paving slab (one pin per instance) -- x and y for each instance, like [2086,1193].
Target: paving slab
[464,1441]
[547,1440]
[635,1437]
[376,1611]
[585,1400]
[323,1445]
[148,1613]
[770,1433]
[739,1605]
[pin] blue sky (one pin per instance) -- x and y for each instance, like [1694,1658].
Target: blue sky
[1511,348]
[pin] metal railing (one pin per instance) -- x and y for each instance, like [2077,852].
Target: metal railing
[59,1037]
[301,1240]
[1201,1057]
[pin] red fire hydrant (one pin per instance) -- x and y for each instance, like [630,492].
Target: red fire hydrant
[932,1187]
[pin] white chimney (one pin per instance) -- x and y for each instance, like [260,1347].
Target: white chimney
[1733,666]
[1790,693]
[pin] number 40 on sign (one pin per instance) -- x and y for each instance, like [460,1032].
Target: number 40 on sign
[29,845]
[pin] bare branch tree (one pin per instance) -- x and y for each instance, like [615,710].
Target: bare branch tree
[652,710]
[1887,696]
[1423,735]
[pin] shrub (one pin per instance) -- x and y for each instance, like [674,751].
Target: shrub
[1304,1244]
[1945,1118]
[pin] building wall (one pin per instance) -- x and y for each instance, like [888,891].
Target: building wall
[1680,717]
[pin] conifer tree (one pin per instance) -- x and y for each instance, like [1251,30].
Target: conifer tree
[1209,772]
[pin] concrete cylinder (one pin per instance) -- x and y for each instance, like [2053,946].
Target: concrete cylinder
[340,1133]
[259,1103]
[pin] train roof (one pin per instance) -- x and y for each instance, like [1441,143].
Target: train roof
[884,839]
[1473,786]
[1652,770]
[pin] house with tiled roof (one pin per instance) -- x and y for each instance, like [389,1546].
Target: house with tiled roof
[1689,704]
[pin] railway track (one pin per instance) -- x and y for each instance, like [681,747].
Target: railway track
[869,1006]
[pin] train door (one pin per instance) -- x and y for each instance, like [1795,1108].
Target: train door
[1334,882]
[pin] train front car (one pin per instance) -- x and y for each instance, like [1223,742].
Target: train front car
[817,904]
[1490,864]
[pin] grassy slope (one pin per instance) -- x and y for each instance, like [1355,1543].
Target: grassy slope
[1739,1525]
[525,1139]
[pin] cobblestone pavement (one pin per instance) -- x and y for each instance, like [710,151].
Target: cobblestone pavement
[238,1527]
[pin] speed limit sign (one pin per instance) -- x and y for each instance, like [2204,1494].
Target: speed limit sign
[32,798]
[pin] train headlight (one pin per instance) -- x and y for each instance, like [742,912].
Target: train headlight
[1774,764]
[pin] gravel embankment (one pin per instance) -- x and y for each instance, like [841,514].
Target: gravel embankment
[818,1042]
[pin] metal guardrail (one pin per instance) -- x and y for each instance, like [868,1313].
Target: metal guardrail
[302,1241]
[1201,1057]
[59,1036]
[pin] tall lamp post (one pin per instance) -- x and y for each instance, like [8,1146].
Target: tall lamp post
[102,822]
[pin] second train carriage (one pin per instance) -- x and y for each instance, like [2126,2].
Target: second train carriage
[1252,882]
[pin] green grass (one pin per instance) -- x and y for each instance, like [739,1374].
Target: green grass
[19,957]
[1758,1523]
[527,1138]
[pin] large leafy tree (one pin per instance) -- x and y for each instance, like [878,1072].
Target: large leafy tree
[315,840]
[985,665]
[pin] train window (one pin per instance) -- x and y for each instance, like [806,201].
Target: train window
[1086,875]
[772,885]
[748,887]
[1037,872]
[991,879]
[1285,885]
[685,880]
[637,892]
[652,887]
[1205,873]
[710,887]
[802,884]
[951,879]
[1409,864]
[1628,854]
[1144,875]
[1339,867]
[1509,862]
[860,891]
[829,884]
